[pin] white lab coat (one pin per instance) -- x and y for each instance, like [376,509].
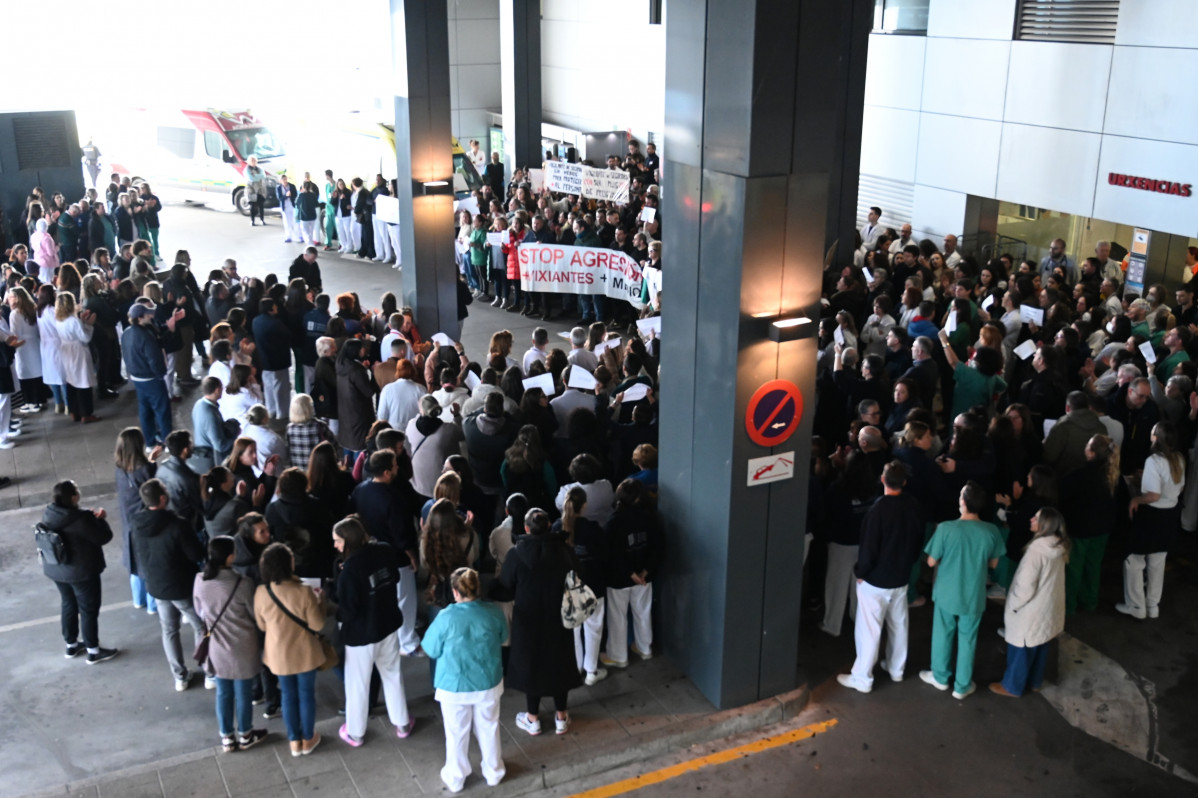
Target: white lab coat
[78,370]
[29,356]
[51,353]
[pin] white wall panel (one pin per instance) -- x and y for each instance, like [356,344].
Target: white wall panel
[1056,84]
[937,213]
[972,19]
[478,41]
[1155,160]
[889,141]
[1152,94]
[965,77]
[477,85]
[1048,168]
[894,71]
[958,154]
[1157,23]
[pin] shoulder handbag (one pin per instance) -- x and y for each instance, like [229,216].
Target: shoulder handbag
[330,653]
[201,652]
[578,602]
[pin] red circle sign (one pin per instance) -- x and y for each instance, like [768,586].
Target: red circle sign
[774,412]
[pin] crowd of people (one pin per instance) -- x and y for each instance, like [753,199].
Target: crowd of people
[998,426]
[349,492]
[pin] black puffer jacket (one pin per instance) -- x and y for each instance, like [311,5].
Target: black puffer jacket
[84,535]
[366,587]
[167,552]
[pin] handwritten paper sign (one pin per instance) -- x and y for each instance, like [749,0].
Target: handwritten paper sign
[1032,315]
[542,381]
[648,214]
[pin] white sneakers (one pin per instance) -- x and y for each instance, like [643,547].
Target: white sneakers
[930,678]
[598,675]
[850,681]
[968,692]
[1134,612]
[530,725]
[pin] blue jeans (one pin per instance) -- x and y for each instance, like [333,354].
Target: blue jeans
[593,306]
[299,705]
[239,693]
[1025,668]
[59,392]
[140,597]
[153,410]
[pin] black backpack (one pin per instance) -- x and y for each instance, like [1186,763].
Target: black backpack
[51,546]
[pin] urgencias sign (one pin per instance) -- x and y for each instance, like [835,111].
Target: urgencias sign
[1149,184]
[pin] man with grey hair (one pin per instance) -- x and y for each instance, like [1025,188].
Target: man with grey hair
[1110,297]
[924,371]
[1108,268]
[1137,314]
[579,354]
[900,243]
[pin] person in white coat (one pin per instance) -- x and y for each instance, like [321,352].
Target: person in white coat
[1035,610]
[269,442]
[23,322]
[78,369]
[399,401]
[51,349]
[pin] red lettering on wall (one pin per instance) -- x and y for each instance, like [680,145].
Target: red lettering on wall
[1150,184]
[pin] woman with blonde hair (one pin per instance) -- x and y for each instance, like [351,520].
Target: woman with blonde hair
[78,371]
[1156,516]
[501,344]
[304,429]
[23,322]
[465,640]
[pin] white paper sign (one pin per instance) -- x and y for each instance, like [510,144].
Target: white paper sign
[587,181]
[386,209]
[542,381]
[466,204]
[1148,352]
[603,346]
[442,339]
[463,247]
[581,378]
[950,325]
[773,468]
[1049,423]
[648,214]
[563,178]
[537,178]
[636,392]
[652,276]
[1032,315]
[838,335]
[988,301]
[564,335]
[496,239]
[1025,349]
[472,381]
[645,325]
[867,274]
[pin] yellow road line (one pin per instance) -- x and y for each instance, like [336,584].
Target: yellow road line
[718,758]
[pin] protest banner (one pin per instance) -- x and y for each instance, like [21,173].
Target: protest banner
[580,270]
[586,181]
[386,209]
[564,178]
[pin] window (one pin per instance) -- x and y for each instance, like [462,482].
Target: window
[214,145]
[1086,21]
[901,16]
[180,141]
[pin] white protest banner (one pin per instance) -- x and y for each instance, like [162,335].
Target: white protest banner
[466,204]
[581,378]
[1049,423]
[1032,315]
[495,239]
[537,178]
[542,381]
[635,392]
[652,323]
[1025,349]
[648,214]
[605,184]
[386,209]
[580,270]
[564,178]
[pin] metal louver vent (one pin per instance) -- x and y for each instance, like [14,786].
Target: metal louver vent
[895,197]
[1087,21]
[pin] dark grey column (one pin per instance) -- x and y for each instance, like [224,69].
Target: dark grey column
[520,68]
[752,181]
[423,149]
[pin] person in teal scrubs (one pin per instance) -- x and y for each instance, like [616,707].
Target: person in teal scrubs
[330,210]
[963,549]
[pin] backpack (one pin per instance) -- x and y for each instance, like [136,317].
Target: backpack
[578,602]
[51,546]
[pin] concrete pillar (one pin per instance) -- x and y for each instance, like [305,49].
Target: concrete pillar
[520,73]
[424,156]
[758,175]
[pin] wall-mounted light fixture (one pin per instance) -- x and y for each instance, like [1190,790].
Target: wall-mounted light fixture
[431,187]
[790,328]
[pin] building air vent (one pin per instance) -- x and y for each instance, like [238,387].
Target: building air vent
[41,141]
[1087,21]
[896,198]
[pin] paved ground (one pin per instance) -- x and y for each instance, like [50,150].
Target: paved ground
[1132,685]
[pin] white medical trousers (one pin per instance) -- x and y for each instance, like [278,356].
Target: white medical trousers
[587,638]
[290,230]
[359,660]
[406,594]
[878,607]
[640,598]
[382,241]
[483,714]
[276,389]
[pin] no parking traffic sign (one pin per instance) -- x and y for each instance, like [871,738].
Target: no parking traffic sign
[774,412]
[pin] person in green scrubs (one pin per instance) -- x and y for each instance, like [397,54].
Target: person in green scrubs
[963,550]
[976,382]
[330,210]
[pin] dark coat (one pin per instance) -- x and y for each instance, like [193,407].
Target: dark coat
[366,586]
[84,535]
[636,541]
[127,487]
[222,512]
[355,403]
[273,339]
[542,650]
[306,527]
[168,553]
[183,486]
[324,391]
